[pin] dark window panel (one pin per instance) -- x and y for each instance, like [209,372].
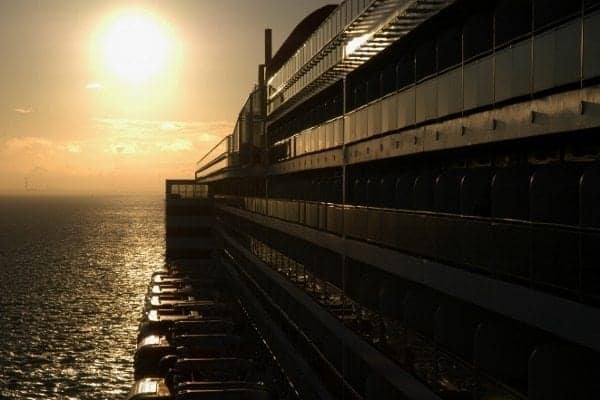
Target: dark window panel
[350,98]
[547,12]
[328,109]
[477,34]
[333,108]
[388,79]
[321,113]
[426,60]
[373,87]
[405,70]
[360,95]
[591,3]
[339,104]
[513,19]
[449,48]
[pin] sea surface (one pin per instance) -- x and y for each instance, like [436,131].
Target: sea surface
[73,273]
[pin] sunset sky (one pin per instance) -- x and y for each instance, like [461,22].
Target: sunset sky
[75,117]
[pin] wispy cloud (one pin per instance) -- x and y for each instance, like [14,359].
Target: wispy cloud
[136,126]
[37,170]
[38,146]
[177,145]
[93,86]
[23,111]
[145,136]
[72,147]
[28,143]
[123,148]
[111,154]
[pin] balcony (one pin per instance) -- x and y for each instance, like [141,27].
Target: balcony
[355,32]
[215,159]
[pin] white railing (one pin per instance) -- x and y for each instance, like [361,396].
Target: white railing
[214,155]
[331,28]
[355,31]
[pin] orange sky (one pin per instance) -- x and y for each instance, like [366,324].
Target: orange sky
[69,124]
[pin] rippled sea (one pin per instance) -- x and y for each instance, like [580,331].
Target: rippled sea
[73,275]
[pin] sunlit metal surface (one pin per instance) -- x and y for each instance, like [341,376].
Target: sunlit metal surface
[150,386]
[149,340]
[361,29]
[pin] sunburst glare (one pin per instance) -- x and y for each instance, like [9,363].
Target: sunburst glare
[135,46]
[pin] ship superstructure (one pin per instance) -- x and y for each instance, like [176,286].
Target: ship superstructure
[412,190]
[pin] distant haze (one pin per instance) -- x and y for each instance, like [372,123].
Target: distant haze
[76,117]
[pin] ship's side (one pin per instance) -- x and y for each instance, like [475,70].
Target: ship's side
[411,194]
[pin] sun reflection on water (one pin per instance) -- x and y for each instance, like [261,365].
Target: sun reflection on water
[73,283]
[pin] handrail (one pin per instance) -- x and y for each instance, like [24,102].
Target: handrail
[215,147]
[474,218]
[349,44]
[316,42]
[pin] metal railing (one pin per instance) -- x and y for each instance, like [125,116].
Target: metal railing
[507,74]
[329,30]
[217,153]
[185,189]
[354,32]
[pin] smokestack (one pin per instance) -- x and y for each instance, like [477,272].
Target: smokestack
[261,75]
[268,46]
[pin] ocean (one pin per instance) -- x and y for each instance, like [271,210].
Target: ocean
[73,273]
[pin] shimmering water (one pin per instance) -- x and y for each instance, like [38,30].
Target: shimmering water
[73,275]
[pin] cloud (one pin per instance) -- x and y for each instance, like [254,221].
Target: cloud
[146,136]
[93,86]
[169,126]
[177,145]
[134,127]
[37,170]
[72,147]
[28,143]
[123,148]
[38,146]
[110,154]
[23,111]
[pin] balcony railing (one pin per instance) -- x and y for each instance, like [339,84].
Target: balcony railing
[355,32]
[509,73]
[214,156]
[523,252]
[185,189]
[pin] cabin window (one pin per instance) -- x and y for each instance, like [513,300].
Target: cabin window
[339,104]
[360,94]
[388,79]
[328,110]
[332,108]
[449,48]
[477,35]
[321,113]
[405,71]
[313,116]
[513,20]
[547,12]
[591,3]
[426,60]
[350,98]
[373,87]
[325,110]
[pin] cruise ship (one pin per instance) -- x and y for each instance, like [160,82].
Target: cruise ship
[409,204]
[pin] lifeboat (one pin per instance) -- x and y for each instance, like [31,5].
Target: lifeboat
[153,348]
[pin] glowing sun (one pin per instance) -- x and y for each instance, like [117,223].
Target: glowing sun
[135,47]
